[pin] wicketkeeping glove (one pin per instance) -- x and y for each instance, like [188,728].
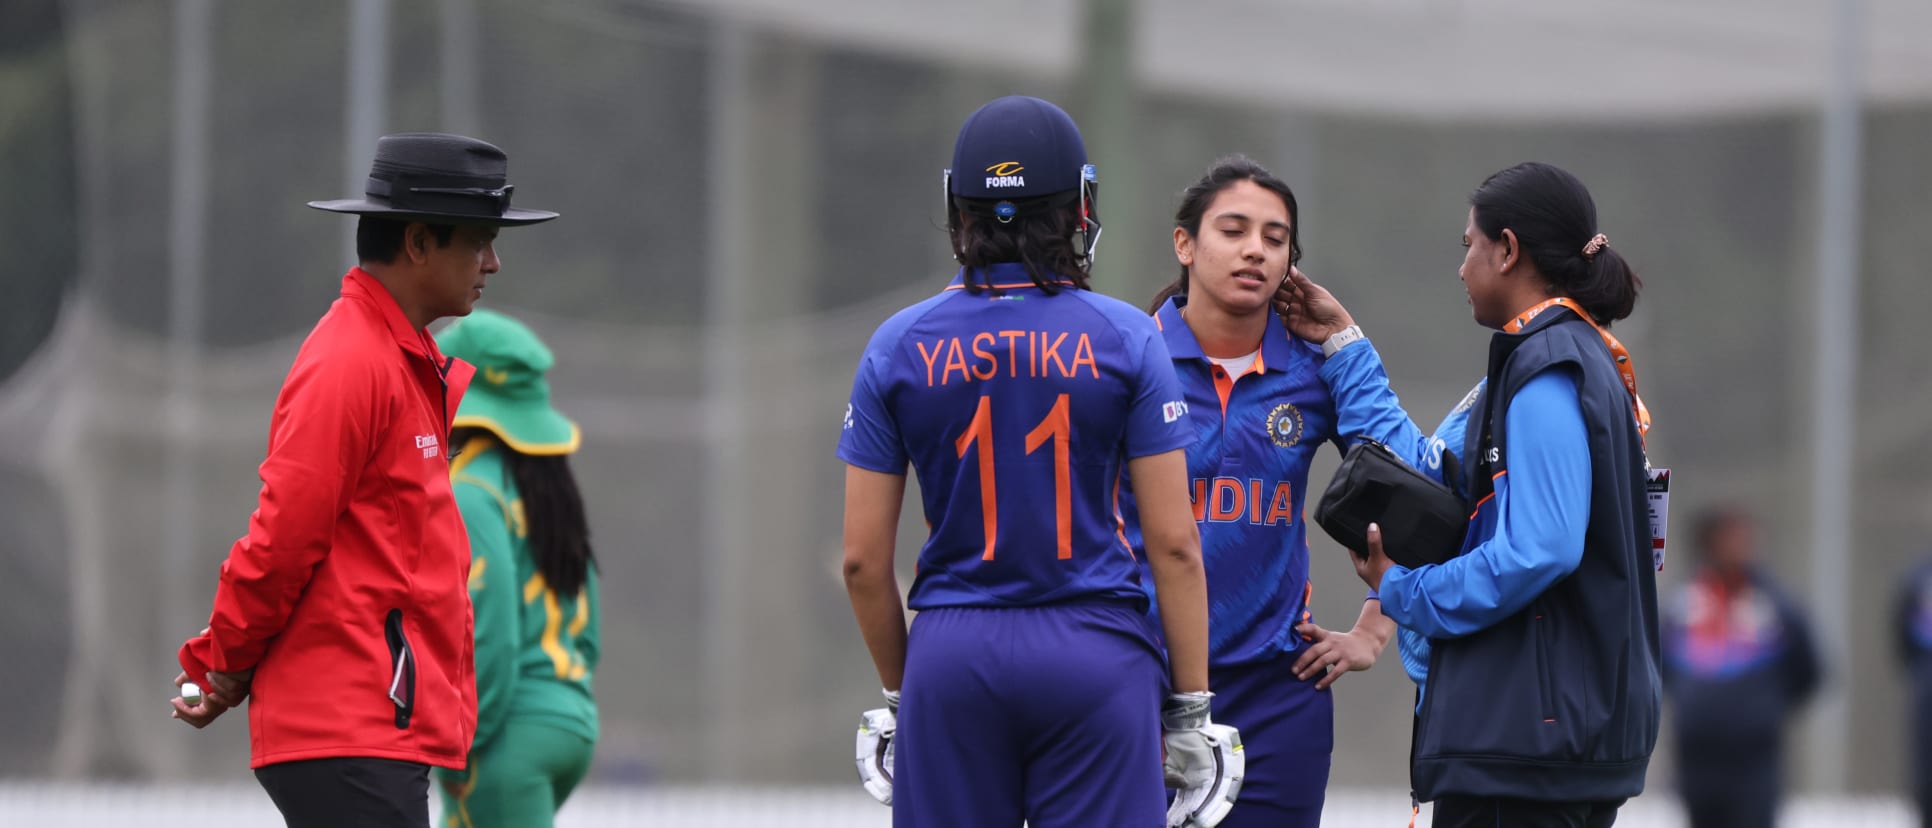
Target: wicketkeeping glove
[1203,762]
[876,729]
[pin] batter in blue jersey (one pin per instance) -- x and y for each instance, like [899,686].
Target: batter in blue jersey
[1259,414]
[1030,687]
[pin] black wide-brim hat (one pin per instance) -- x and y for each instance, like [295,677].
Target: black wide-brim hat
[439,179]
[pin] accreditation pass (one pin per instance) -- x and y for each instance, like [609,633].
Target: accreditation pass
[1657,486]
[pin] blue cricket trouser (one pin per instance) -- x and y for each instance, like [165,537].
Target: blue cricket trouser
[1047,714]
[1287,731]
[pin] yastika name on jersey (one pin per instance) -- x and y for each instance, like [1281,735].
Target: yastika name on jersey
[1029,354]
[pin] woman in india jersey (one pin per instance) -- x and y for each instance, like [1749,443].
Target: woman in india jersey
[533,583]
[1030,687]
[1260,412]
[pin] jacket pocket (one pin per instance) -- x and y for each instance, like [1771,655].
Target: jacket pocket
[1545,683]
[402,679]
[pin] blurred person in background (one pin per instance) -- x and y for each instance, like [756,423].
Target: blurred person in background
[1260,413]
[344,610]
[1030,686]
[1738,663]
[1535,648]
[533,583]
[1912,628]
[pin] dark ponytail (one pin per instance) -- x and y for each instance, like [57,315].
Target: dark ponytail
[554,512]
[1225,172]
[1555,221]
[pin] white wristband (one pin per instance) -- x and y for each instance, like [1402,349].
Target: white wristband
[1342,339]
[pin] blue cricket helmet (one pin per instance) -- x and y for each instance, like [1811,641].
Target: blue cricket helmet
[1017,147]
[1018,156]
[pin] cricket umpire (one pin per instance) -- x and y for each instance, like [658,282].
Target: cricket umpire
[344,612]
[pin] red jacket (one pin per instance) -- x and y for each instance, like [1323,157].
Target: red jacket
[349,595]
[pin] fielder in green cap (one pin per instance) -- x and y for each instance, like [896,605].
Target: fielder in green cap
[533,583]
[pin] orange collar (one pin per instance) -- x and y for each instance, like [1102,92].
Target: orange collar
[1617,351]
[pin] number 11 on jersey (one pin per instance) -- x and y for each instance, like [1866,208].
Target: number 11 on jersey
[1058,428]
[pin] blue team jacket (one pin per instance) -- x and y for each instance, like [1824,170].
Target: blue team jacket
[1540,655]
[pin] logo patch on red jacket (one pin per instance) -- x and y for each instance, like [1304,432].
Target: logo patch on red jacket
[427,442]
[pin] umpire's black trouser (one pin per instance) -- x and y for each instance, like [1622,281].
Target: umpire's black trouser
[1490,812]
[356,791]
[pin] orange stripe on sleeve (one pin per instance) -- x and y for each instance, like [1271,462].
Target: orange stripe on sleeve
[1486,498]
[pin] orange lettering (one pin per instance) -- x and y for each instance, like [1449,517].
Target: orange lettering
[1199,497]
[934,354]
[1012,356]
[955,359]
[1283,506]
[1053,353]
[1085,347]
[1220,509]
[1254,497]
[1058,427]
[992,365]
[979,434]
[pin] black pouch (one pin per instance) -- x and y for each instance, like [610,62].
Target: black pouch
[1422,521]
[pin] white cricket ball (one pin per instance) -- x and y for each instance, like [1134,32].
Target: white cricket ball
[191,693]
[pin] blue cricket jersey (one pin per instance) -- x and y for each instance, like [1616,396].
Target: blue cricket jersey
[1520,541]
[1017,409]
[1248,475]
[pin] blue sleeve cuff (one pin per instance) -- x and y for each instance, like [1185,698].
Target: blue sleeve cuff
[1392,591]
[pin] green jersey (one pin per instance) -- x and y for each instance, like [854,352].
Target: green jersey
[536,650]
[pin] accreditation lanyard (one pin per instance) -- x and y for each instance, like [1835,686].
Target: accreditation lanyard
[1617,352]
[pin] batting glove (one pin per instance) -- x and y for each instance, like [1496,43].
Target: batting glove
[876,729]
[1203,762]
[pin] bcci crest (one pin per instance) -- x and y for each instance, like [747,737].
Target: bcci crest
[1284,425]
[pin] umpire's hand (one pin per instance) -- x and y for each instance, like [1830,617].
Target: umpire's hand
[198,715]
